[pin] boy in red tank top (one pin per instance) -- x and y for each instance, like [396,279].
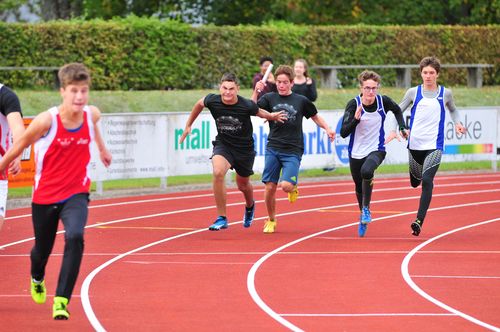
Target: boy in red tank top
[62,137]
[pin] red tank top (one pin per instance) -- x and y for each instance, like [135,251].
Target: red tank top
[62,159]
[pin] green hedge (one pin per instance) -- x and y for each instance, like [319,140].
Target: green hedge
[147,54]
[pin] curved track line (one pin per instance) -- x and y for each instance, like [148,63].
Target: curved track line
[251,274]
[413,285]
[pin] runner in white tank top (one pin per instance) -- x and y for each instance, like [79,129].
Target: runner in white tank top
[426,141]
[363,120]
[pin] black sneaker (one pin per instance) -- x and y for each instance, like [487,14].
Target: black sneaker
[416,227]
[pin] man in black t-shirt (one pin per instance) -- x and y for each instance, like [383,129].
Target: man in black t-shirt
[285,143]
[233,145]
[11,123]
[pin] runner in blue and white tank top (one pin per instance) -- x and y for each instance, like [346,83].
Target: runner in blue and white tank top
[364,121]
[426,139]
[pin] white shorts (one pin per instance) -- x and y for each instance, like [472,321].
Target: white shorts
[4,188]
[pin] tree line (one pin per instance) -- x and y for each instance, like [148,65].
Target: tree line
[255,12]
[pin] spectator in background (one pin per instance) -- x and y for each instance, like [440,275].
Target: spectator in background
[302,83]
[11,123]
[270,84]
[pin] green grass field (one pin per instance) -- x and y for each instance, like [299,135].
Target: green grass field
[34,102]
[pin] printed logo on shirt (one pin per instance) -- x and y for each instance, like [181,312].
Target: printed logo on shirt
[64,142]
[82,141]
[291,112]
[228,124]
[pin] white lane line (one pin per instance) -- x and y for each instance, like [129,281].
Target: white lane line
[454,277]
[382,314]
[413,285]
[253,271]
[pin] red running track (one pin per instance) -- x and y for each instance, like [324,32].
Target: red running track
[151,264]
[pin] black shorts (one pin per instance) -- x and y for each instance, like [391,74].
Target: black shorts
[240,160]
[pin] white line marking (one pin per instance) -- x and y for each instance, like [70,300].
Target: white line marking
[454,277]
[368,315]
[411,283]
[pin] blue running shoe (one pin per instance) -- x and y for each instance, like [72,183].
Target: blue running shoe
[366,216]
[249,214]
[220,223]
[362,229]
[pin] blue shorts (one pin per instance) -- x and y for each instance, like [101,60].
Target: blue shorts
[287,164]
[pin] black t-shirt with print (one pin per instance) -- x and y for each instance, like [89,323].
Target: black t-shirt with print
[234,127]
[287,137]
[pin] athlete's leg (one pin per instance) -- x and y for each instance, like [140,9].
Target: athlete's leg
[270,198]
[45,219]
[415,161]
[3,200]
[220,166]
[430,168]
[290,171]
[270,177]
[355,166]
[372,162]
[73,215]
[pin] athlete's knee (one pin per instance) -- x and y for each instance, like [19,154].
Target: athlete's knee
[287,186]
[427,183]
[367,170]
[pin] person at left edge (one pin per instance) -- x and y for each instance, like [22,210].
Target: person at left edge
[62,137]
[233,147]
[11,123]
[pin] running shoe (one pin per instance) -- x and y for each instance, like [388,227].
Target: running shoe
[220,223]
[38,291]
[249,215]
[270,226]
[60,308]
[416,227]
[362,229]
[366,216]
[293,195]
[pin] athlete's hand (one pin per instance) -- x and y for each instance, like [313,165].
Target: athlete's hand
[15,166]
[357,115]
[280,116]
[460,129]
[392,135]
[105,157]
[331,134]
[405,133]
[260,85]
[186,132]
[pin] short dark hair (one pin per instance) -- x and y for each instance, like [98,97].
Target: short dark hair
[431,61]
[73,73]
[286,70]
[229,77]
[368,75]
[264,59]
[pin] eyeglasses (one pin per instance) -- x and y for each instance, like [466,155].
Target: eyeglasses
[368,89]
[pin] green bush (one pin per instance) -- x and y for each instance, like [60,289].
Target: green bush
[149,54]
